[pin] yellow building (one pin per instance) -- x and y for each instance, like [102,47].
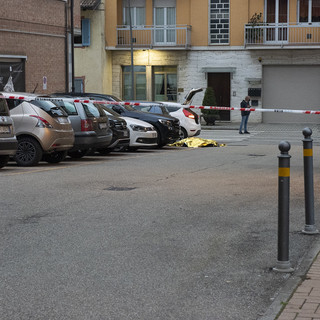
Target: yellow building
[268,49]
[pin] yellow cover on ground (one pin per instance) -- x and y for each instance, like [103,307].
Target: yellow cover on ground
[195,142]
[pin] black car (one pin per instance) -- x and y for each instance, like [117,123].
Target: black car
[120,135]
[167,127]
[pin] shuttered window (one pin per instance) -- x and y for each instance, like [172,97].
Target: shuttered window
[85,31]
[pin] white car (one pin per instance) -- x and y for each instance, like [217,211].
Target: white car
[189,120]
[142,134]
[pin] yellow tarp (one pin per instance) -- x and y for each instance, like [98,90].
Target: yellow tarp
[195,142]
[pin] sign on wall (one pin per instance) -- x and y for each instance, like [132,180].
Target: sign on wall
[12,76]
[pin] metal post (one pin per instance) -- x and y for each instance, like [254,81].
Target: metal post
[131,53]
[310,227]
[283,263]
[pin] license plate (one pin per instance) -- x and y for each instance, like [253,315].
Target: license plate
[63,120]
[102,125]
[154,135]
[4,129]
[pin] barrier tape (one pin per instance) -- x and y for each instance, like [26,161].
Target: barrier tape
[123,103]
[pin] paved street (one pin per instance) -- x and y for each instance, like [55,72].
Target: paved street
[175,233]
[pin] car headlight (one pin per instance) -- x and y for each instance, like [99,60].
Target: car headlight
[167,123]
[140,128]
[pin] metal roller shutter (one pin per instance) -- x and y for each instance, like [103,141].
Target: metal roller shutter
[291,87]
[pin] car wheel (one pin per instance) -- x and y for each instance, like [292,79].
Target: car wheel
[159,139]
[78,153]
[183,133]
[29,152]
[3,161]
[55,157]
[105,151]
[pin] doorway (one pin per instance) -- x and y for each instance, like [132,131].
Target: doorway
[220,83]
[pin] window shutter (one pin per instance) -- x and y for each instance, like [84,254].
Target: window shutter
[85,30]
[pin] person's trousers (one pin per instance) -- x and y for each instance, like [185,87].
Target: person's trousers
[244,123]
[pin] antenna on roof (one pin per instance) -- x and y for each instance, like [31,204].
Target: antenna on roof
[35,88]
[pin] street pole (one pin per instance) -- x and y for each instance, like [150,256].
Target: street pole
[131,50]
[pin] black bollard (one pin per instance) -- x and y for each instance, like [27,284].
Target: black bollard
[283,263]
[310,227]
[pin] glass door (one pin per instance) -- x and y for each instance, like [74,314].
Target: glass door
[277,21]
[165,21]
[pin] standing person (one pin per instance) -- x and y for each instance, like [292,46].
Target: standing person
[244,115]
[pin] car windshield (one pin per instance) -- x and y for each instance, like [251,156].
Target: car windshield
[3,108]
[110,111]
[50,108]
[68,107]
[93,110]
[129,108]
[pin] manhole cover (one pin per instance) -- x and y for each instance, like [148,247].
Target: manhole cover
[120,188]
[256,155]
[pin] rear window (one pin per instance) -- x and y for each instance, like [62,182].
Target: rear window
[93,110]
[172,109]
[50,108]
[3,108]
[68,107]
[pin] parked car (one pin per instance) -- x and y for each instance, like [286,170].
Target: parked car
[8,140]
[90,124]
[42,128]
[167,127]
[120,134]
[142,134]
[189,120]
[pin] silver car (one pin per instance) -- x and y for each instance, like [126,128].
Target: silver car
[8,141]
[43,130]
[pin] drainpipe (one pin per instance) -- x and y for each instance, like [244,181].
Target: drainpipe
[66,48]
[72,45]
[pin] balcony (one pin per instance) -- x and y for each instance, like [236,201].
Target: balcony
[148,37]
[282,35]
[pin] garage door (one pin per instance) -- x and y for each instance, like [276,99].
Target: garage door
[291,87]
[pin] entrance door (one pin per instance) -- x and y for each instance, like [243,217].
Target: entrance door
[220,83]
[277,20]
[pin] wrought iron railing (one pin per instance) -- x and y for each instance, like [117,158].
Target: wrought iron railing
[282,34]
[154,36]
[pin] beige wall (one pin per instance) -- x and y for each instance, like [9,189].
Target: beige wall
[93,63]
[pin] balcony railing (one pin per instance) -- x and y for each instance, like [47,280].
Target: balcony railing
[176,36]
[282,35]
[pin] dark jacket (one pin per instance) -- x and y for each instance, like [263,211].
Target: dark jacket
[245,104]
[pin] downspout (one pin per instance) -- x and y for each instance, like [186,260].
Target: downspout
[66,48]
[72,45]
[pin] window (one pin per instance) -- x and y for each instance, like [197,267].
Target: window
[84,38]
[165,83]
[309,11]
[140,83]
[219,22]
[138,12]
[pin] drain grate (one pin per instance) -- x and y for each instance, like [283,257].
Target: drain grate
[120,188]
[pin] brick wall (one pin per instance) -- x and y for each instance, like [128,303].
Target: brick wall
[36,29]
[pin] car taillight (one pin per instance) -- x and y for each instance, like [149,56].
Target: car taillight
[188,114]
[86,125]
[42,123]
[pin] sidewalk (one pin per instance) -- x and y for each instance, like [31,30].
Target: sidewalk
[304,304]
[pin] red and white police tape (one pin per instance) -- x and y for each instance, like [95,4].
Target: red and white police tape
[12,95]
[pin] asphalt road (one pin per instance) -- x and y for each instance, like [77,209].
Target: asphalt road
[176,233]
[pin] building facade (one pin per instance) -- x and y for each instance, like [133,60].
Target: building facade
[35,45]
[268,49]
